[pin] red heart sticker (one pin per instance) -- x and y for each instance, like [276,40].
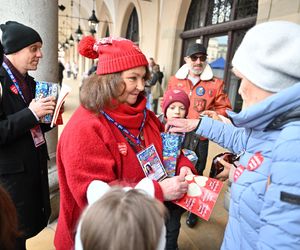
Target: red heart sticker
[238,172]
[14,89]
[255,161]
[122,148]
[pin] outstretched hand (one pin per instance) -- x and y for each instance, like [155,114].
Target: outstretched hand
[214,115]
[181,125]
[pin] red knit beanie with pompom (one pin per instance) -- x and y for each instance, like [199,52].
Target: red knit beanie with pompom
[114,54]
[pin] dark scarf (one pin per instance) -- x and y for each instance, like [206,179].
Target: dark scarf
[24,82]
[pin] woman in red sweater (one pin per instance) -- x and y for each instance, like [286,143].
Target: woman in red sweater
[103,137]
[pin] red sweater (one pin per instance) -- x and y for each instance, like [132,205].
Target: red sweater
[92,148]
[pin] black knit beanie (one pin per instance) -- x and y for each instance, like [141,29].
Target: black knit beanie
[16,36]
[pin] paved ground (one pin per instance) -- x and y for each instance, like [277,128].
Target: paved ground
[205,236]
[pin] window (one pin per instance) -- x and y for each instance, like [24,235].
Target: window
[219,11]
[132,32]
[246,8]
[220,25]
[217,54]
[194,21]
[107,34]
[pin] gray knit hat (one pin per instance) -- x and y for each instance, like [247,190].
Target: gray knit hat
[16,36]
[269,55]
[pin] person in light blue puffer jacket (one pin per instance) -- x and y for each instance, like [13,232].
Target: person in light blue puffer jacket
[264,209]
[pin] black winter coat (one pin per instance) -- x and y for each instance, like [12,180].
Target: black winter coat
[23,167]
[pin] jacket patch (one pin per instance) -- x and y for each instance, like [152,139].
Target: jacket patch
[290,198]
[14,89]
[122,148]
[199,104]
[200,91]
[212,92]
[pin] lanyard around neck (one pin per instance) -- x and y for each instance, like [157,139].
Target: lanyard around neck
[125,131]
[13,80]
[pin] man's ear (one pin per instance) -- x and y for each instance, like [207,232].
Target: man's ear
[185,59]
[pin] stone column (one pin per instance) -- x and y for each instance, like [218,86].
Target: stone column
[42,15]
[80,63]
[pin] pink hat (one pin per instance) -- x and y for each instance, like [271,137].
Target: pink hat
[114,54]
[175,95]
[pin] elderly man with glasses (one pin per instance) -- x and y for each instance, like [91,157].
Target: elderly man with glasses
[206,93]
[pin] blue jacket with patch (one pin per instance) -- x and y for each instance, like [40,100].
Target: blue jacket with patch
[265,198]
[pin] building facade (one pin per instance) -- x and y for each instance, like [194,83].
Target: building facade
[164,28]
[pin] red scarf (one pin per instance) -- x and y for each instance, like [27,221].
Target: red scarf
[131,117]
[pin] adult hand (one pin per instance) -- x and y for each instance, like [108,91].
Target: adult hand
[175,187]
[223,176]
[184,171]
[43,106]
[181,125]
[214,115]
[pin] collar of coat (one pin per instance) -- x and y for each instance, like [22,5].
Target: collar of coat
[206,75]
[261,114]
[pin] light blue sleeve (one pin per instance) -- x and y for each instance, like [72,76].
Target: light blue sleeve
[226,135]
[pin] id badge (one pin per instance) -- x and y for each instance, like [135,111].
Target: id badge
[151,163]
[37,136]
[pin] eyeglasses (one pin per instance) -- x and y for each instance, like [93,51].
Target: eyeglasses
[217,167]
[202,58]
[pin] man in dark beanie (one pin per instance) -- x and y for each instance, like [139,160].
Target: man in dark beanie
[23,150]
[17,36]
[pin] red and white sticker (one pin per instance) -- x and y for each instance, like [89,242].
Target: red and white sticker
[255,161]
[14,89]
[122,148]
[238,172]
